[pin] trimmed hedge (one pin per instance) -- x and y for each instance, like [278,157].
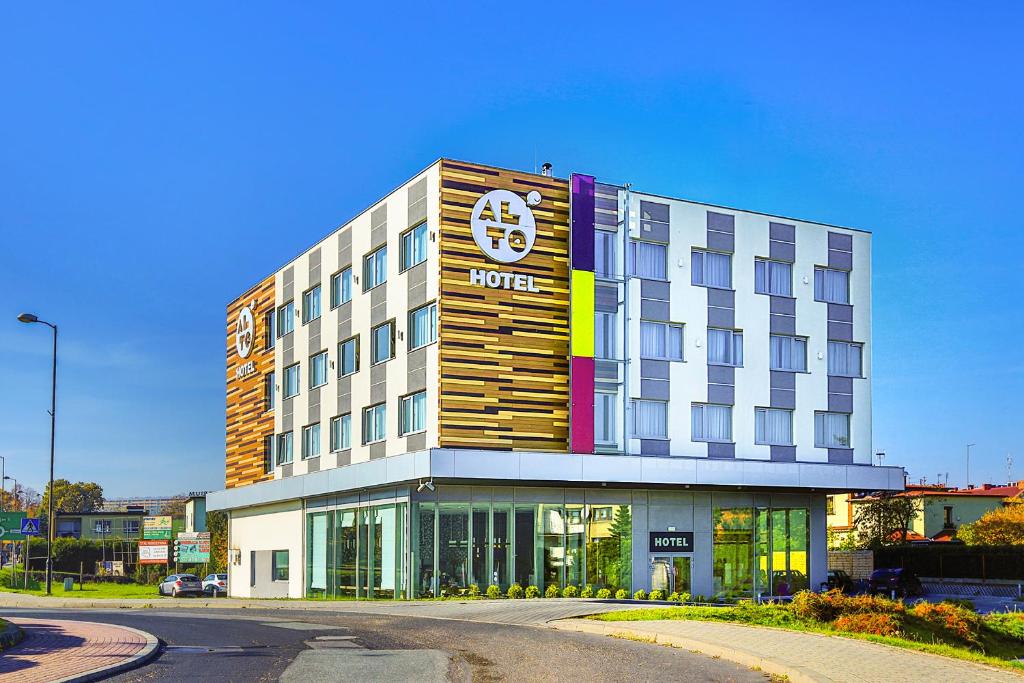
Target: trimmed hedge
[955,561]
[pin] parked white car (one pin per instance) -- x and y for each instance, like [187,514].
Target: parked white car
[216,585]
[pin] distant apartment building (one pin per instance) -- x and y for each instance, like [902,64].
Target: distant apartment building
[152,505]
[492,376]
[941,510]
[100,525]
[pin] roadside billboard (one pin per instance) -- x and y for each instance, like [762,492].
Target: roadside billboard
[192,547]
[157,528]
[152,552]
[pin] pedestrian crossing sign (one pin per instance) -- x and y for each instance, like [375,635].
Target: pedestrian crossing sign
[30,526]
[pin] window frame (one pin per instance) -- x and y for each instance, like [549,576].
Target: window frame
[849,430]
[269,390]
[432,312]
[636,432]
[667,326]
[311,435]
[704,423]
[372,254]
[373,343]
[768,263]
[822,270]
[733,334]
[314,298]
[766,410]
[703,282]
[355,356]
[270,325]
[771,356]
[409,234]
[338,293]
[269,454]
[339,420]
[612,397]
[634,248]
[312,369]
[275,566]
[366,415]
[286,318]
[407,402]
[298,381]
[604,238]
[289,439]
[849,345]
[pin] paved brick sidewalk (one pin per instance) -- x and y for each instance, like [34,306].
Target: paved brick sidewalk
[57,649]
[801,656]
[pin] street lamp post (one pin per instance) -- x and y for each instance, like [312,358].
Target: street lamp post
[14,491]
[3,486]
[969,464]
[31,318]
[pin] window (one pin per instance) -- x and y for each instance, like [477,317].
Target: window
[341,432]
[711,269]
[318,369]
[375,268]
[832,286]
[413,413]
[605,336]
[832,430]
[311,305]
[650,260]
[422,326]
[709,422]
[830,505]
[284,448]
[773,277]
[348,357]
[650,419]
[787,353]
[291,381]
[131,527]
[773,426]
[102,527]
[268,391]
[383,338]
[844,359]
[725,347]
[414,246]
[311,441]
[947,517]
[270,325]
[661,341]
[279,565]
[286,319]
[604,254]
[375,423]
[268,454]
[604,418]
[341,287]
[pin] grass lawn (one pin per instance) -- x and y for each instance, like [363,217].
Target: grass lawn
[91,590]
[1000,641]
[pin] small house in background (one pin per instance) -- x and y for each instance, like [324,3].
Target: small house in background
[195,512]
[101,526]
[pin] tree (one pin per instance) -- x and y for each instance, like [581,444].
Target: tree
[217,525]
[174,508]
[885,519]
[81,496]
[1002,526]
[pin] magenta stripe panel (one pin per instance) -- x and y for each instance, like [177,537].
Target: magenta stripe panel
[581,389]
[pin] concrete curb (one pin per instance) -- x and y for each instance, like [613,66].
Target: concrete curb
[11,636]
[766,664]
[148,652]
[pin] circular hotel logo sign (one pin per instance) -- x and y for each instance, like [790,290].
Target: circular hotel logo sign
[503,225]
[245,330]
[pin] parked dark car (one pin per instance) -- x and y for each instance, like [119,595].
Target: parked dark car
[839,580]
[180,584]
[901,582]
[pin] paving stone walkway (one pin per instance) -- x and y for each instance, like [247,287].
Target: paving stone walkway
[57,649]
[803,657]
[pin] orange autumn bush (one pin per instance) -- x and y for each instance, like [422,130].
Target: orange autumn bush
[833,604]
[957,621]
[872,623]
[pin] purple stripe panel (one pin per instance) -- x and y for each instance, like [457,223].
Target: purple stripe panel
[582,234]
[581,392]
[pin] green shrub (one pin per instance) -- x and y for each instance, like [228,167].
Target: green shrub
[451,591]
[1006,624]
[656,595]
[515,591]
[473,591]
[960,602]
[685,597]
[16,579]
[570,592]
[532,592]
[674,597]
[494,591]
[621,594]
[603,594]
[640,595]
[551,591]
[587,592]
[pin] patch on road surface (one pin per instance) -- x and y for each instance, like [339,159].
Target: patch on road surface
[367,666]
[302,626]
[215,650]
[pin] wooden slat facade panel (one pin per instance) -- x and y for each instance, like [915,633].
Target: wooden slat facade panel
[504,354]
[247,420]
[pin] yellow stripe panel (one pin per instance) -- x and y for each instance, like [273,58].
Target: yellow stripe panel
[582,330]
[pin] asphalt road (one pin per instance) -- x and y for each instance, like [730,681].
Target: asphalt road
[254,645]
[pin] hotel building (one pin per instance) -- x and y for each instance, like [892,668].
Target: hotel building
[491,377]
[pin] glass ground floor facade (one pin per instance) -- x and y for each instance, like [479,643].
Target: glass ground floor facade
[407,544]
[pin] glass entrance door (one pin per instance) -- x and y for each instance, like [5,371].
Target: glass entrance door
[670,573]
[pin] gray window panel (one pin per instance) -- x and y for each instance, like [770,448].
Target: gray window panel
[840,403]
[655,447]
[782,324]
[783,232]
[606,298]
[841,241]
[656,232]
[840,331]
[782,251]
[841,260]
[344,458]
[840,385]
[720,241]
[656,389]
[654,289]
[721,450]
[721,393]
[654,211]
[783,398]
[721,222]
[721,317]
[416,442]
[288,282]
[783,453]
[840,456]
[378,450]
[721,374]
[783,380]
[722,298]
[286,469]
[654,310]
[313,465]
[782,305]
[840,313]
[654,369]
[606,370]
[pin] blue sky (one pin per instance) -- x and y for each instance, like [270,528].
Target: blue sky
[154,161]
